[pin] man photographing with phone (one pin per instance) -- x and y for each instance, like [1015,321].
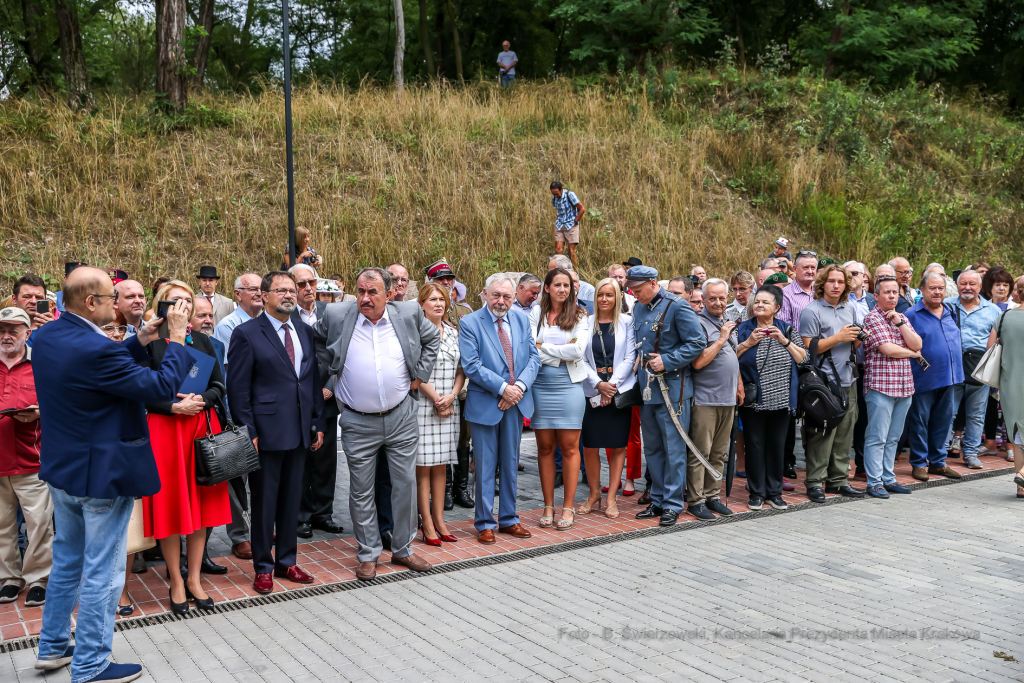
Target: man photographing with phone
[96,458]
[30,296]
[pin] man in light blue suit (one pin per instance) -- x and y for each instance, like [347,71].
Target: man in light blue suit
[500,361]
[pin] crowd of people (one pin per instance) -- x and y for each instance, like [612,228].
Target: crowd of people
[430,394]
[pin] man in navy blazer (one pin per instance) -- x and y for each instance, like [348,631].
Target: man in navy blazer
[500,361]
[96,458]
[274,389]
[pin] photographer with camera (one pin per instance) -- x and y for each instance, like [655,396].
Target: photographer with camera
[834,321]
[931,411]
[889,385]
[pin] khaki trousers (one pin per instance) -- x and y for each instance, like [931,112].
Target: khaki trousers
[37,506]
[710,429]
[828,455]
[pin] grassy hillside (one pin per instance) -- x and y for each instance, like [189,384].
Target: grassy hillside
[702,167]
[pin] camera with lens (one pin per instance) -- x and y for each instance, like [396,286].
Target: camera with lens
[861,334]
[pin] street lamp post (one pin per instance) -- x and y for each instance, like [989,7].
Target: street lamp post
[288,131]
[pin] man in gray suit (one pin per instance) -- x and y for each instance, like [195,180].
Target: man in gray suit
[378,353]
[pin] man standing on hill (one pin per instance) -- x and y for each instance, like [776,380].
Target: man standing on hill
[507,61]
[567,221]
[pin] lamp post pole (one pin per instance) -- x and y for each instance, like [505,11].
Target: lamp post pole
[288,131]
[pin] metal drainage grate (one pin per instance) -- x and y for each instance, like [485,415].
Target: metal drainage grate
[29,642]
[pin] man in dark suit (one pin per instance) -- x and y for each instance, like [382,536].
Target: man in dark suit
[274,390]
[96,457]
[316,511]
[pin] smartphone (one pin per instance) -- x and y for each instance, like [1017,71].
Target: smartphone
[43,306]
[161,312]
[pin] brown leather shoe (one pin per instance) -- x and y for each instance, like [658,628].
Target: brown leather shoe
[366,570]
[920,473]
[413,562]
[644,500]
[486,537]
[243,550]
[945,471]
[516,531]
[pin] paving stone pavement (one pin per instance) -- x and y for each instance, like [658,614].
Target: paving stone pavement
[801,596]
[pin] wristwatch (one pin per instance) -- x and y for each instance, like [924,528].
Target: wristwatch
[901,323]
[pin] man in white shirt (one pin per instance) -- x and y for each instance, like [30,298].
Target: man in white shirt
[208,280]
[250,305]
[377,363]
[305,284]
[617,272]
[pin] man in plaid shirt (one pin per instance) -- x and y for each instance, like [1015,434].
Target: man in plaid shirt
[567,222]
[888,385]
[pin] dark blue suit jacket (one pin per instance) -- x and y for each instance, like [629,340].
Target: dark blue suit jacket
[92,392]
[264,394]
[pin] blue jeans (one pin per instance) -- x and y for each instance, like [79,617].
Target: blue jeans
[974,409]
[886,417]
[931,413]
[90,550]
[507,80]
[665,451]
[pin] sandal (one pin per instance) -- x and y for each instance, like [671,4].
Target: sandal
[545,522]
[564,525]
[589,507]
[611,510]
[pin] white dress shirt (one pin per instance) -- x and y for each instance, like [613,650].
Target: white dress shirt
[374,359]
[507,327]
[88,322]
[279,328]
[308,317]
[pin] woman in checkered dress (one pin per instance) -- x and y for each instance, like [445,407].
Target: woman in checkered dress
[438,416]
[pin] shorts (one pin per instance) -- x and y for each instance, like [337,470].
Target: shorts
[570,236]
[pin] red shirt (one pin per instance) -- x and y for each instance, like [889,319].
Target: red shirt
[19,441]
[890,376]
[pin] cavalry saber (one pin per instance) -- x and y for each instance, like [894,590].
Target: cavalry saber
[715,474]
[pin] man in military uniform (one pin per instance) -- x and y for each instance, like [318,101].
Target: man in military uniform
[456,491]
[668,338]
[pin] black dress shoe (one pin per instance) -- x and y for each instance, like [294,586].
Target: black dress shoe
[789,472]
[204,604]
[649,512]
[305,531]
[644,499]
[845,490]
[558,480]
[700,511]
[669,518]
[463,499]
[449,502]
[718,507]
[385,539]
[815,494]
[211,567]
[178,608]
[328,526]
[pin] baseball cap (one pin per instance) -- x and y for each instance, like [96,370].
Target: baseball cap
[782,242]
[13,314]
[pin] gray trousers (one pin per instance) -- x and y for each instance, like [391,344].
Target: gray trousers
[361,437]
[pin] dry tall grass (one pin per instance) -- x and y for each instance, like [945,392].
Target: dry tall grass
[441,172]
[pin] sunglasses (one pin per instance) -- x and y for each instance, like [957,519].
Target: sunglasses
[807,253]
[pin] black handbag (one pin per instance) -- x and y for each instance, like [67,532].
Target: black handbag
[823,402]
[629,398]
[224,456]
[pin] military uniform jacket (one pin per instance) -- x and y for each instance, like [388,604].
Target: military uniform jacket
[682,340]
[457,312]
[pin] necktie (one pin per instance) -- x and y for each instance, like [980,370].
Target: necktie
[506,345]
[289,348]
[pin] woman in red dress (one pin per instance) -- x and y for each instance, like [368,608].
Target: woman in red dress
[182,507]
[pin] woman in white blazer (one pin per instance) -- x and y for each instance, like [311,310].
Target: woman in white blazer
[560,329]
[609,359]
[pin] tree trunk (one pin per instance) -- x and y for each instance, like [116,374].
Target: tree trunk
[837,35]
[76,75]
[428,56]
[455,40]
[35,53]
[439,25]
[171,71]
[202,51]
[399,46]
[739,33]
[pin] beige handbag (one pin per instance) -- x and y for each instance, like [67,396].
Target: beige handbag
[137,542]
[990,365]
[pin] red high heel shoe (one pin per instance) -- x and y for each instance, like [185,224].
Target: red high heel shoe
[447,538]
[436,542]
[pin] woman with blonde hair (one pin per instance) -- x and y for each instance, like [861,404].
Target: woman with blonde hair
[303,252]
[610,355]
[181,507]
[438,417]
[559,327]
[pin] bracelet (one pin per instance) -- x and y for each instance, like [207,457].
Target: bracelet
[788,342]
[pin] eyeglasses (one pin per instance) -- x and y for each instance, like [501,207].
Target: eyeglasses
[905,272]
[113,296]
[120,329]
[302,284]
[284,292]
[854,273]
[249,290]
[400,280]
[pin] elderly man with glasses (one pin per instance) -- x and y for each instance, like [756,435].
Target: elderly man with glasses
[904,272]
[250,305]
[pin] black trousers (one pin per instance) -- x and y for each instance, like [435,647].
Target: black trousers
[991,418]
[319,479]
[789,447]
[276,489]
[860,429]
[382,494]
[764,441]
